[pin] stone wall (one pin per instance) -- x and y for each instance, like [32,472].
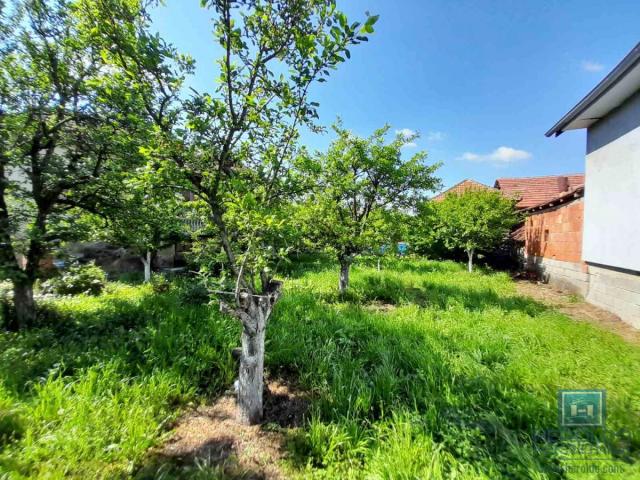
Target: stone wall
[115,259]
[615,290]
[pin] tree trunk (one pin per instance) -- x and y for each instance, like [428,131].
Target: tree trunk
[343,283]
[253,311]
[146,261]
[378,263]
[251,377]
[470,263]
[24,305]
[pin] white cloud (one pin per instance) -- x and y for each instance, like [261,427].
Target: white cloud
[471,157]
[591,66]
[500,156]
[436,136]
[406,132]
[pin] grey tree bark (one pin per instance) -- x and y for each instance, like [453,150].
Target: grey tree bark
[254,312]
[470,262]
[25,306]
[146,261]
[343,283]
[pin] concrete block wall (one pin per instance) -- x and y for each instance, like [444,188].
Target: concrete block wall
[617,291]
[613,290]
[570,276]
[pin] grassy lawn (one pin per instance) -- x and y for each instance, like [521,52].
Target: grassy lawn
[422,371]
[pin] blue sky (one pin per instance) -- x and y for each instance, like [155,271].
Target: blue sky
[482,81]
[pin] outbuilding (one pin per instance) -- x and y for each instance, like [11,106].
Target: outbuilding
[610,247]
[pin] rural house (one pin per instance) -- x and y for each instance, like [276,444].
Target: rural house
[609,260]
[550,238]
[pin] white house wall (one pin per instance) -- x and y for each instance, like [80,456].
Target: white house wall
[612,198]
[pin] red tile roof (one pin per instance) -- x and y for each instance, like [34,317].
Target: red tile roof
[462,187]
[532,191]
[564,197]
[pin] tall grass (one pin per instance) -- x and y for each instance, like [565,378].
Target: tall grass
[88,391]
[421,370]
[426,371]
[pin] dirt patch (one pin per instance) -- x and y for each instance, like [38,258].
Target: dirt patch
[575,307]
[210,437]
[378,306]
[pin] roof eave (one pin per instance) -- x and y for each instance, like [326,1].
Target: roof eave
[620,71]
[564,198]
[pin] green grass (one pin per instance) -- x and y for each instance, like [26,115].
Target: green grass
[88,391]
[420,371]
[455,376]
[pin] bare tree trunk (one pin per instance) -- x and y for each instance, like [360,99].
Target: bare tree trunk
[253,311]
[470,262]
[25,306]
[146,261]
[251,377]
[378,263]
[343,283]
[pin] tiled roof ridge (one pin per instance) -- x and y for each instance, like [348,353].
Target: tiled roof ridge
[534,191]
[542,176]
[460,183]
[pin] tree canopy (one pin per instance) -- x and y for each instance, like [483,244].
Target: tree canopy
[360,184]
[474,220]
[234,146]
[64,137]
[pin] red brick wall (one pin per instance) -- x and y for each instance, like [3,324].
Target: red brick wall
[556,233]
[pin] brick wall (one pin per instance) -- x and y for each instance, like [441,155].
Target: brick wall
[556,233]
[553,248]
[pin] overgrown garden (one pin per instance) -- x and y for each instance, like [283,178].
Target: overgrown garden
[414,368]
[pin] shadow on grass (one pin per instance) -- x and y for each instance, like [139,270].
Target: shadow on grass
[366,369]
[440,295]
[215,460]
[425,267]
[298,266]
[143,334]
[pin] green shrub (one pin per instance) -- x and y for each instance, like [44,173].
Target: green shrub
[6,291]
[160,283]
[194,292]
[76,279]
[6,301]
